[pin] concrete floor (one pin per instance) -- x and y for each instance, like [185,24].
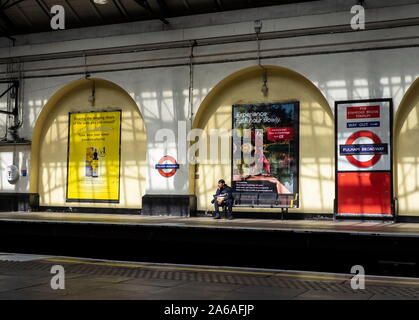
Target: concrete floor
[29,277]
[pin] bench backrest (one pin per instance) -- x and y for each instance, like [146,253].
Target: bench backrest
[250,199]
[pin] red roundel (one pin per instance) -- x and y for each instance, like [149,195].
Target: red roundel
[171,172]
[374,159]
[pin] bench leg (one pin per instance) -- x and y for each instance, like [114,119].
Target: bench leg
[282,212]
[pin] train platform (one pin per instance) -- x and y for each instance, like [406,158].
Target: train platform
[383,248]
[321,225]
[29,277]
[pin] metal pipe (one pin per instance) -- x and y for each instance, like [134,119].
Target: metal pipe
[328,45]
[217,40]
[6,112]
[325,52]
[8,89]
[190,97]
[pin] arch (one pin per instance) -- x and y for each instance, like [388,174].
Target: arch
[316,132]
[50,135]
[406,155]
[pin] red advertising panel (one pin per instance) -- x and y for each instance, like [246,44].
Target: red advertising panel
[361,193]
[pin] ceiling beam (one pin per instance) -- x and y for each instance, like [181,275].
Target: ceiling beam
[44,8]
[163,7]
[121,12]
[187,5]
[145,5]
[6,5]
[25,17]
[219,5]
[7,22]
[3,3]
[123,8]
[96,10]
[74,12]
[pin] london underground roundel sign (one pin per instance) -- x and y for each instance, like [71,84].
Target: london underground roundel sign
[368,163]
[363,135]
[167,166]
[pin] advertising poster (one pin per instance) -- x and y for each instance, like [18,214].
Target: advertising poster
[94,156]
[364,157]
[265,148]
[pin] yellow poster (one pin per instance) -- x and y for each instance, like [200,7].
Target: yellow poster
[93,156]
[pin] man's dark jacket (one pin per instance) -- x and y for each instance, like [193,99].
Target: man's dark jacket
[225,192]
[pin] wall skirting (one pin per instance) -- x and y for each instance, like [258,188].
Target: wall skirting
[411,219]
[90,210]
[17,201]
[274,215]
[169,205]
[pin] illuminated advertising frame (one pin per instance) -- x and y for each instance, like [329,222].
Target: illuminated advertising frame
[93,156]
[265,149]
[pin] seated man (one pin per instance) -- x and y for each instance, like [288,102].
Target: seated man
[223,196]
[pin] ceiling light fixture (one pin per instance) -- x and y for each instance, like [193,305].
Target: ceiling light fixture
[100,1]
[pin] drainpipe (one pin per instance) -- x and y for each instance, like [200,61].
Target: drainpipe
[258,28]
[190,97]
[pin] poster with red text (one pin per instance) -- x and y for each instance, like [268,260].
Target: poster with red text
[265,148]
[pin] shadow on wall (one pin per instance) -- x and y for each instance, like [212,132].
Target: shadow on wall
[406,133]
[316,133]
[164,101]
[163,94]
[50,142]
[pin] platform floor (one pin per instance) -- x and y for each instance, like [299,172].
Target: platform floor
[24,276]
[353,227]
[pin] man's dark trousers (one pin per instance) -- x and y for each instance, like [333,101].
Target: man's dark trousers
[229,207]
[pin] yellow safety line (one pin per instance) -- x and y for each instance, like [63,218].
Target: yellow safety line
[155,267]
[275,274]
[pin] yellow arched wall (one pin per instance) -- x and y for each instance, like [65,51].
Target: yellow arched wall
[317,185]
[50,140]
[406,133]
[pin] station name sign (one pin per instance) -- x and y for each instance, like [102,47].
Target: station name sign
[364,158]
[364,149]
[363,136]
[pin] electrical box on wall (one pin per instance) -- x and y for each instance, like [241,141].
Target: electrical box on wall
[12,174]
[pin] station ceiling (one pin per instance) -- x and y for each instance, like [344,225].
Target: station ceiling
[31,16]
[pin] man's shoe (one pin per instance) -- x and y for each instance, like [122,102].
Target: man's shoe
[230,217]
[217,216]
